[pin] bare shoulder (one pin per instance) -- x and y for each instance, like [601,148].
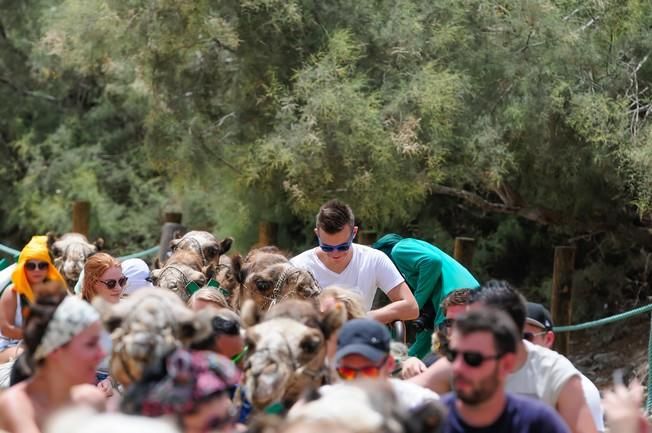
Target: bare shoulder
[16,410]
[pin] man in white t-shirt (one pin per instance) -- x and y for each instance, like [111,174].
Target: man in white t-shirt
[340,262]
[538,331]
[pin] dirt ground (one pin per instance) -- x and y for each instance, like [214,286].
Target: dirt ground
[598,352]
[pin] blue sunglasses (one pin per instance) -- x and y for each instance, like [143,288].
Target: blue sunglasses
[341,247]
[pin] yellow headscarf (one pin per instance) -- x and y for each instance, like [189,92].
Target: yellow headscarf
[36,249]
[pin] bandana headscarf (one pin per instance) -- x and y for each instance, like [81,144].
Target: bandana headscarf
[36,249]
[70,318]
[180,383]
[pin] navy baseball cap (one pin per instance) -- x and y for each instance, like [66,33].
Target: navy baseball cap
[539,316]
[365,337]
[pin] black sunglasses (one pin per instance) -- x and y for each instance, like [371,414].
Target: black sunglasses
[30,266]
[472,359]
[112,283]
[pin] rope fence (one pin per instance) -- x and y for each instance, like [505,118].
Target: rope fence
[145,253]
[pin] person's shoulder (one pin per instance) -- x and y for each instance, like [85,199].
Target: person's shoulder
[304,259]
[535,413]
[544,357]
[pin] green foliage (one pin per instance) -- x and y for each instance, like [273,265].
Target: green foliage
[240,111]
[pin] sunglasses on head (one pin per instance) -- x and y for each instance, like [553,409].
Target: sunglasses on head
[112,283]
[41,266]
[341,247]
[530,336]
[472,359]
[350,373]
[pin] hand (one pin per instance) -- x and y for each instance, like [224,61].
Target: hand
[106,387]
[622,408]
[411,367]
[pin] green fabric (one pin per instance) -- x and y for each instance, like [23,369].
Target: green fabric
[432,275]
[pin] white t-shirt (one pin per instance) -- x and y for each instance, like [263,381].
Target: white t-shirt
[409,395]
[368,269]
[543,375]
[593,400]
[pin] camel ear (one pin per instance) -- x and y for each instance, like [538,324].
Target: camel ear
[225,245]
[333,319]
[155,274]
[157,263]
[195,329]
[52,238]
[99,244]
[249,314]
[239,273]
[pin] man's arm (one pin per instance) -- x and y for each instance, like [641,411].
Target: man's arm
[402,307]
[437,377]
[572,407]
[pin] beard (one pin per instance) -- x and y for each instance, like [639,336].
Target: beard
[479,391]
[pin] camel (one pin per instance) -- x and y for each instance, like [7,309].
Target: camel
[180,271]
[204,244]
[268,278]
[286,350]
[146,326]
[70,252]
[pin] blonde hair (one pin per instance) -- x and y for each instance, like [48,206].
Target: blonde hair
[350,300]
[95,266]
[209,295]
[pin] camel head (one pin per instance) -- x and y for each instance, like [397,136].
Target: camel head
[146,326]
[184,267]
[70,252]
[286,350]
[278,282]
[204,244]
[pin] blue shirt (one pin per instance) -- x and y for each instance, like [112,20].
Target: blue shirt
[521,415]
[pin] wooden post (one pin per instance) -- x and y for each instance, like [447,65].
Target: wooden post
[81,216]
[172,217]
[562,294]
[463,251]
[367,237]
[267,233]
[171,226]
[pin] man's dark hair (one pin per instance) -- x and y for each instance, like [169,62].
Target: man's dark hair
[333,216]
[490,320]
[502,296]
[457,297]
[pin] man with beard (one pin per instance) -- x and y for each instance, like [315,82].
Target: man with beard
[482,350]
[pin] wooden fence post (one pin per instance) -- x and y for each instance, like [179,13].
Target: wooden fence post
[562,294]
[463,251]
[367,237]
[81,216]
[267,233]
[171,226]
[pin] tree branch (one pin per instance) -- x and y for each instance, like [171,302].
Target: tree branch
[27,92]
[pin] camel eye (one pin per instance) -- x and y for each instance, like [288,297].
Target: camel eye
[310,344]
[263,285]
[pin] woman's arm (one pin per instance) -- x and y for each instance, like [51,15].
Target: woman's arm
[8,305]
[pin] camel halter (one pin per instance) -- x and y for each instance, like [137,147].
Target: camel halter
[290,270]
[190,286]
[195,243]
